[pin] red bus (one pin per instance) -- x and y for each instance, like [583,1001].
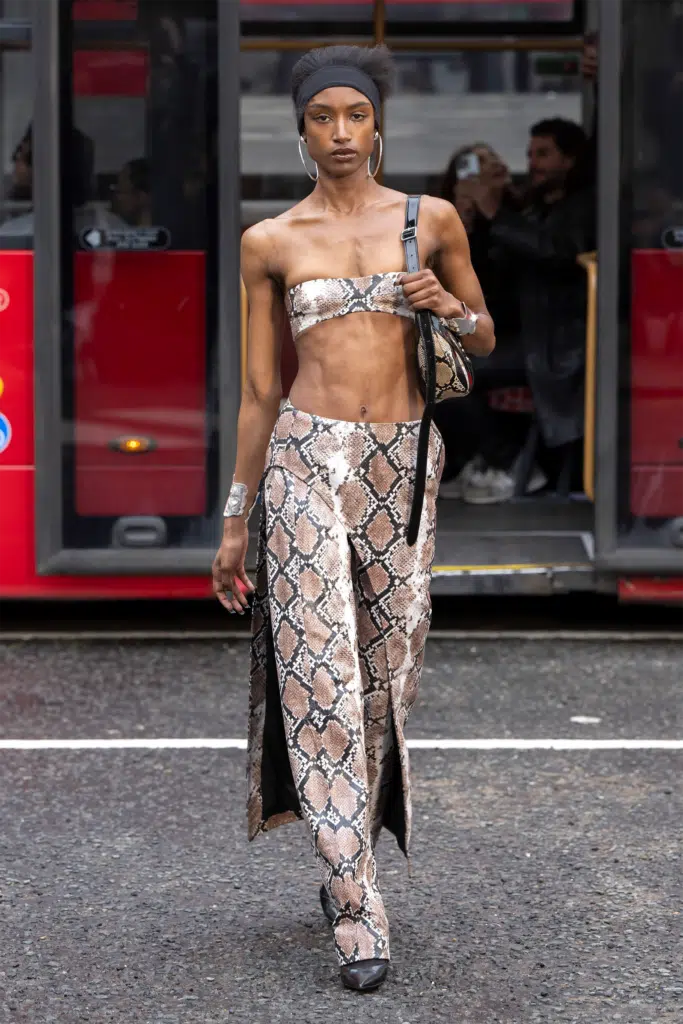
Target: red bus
[138,138]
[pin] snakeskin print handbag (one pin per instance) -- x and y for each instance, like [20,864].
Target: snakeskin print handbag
[444,368]
[451,366]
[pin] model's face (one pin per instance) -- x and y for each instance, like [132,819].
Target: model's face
[548,165]
[339,129]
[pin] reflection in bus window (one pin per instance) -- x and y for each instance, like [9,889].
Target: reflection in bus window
[131,195]
[305,17]
[86,214]
[308,17]
[16,99]
[440,14]
[140,293]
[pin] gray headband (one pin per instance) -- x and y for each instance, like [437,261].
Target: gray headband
[335,74]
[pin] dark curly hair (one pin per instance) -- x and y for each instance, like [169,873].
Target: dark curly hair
[375,61]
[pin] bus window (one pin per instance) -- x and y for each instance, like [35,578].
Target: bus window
[16,151]
[140,278]
[456,15]
[402,17]
[650,490]
[445,101]
[313,18]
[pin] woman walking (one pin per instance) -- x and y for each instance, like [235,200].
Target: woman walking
[341,606]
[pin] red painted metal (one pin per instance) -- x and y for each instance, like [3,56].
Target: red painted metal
[18,577]
[110,72]
[16,362]
[105,10]
[648,589]
[140,371]
[657,383]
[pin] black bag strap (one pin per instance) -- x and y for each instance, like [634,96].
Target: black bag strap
[409,234]
[424,326]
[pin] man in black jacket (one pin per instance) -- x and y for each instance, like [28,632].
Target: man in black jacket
[544,240]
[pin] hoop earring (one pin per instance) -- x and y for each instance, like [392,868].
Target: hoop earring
[313,177]
[373,174]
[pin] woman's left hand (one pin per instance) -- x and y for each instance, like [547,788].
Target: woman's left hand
[423,290]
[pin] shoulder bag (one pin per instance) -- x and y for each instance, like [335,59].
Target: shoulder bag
[444,368]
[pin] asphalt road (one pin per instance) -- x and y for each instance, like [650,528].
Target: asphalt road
[547,884]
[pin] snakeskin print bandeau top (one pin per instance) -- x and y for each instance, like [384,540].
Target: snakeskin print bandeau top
[323,298]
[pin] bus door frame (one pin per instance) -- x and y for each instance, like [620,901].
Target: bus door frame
[50,33]
[609,555]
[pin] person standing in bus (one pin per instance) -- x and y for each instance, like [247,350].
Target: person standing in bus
[483,443]
[544,239]
[341,605]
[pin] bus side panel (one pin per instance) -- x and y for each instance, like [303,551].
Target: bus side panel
[16,416]
[18,577]
[140,373]
[16,359]
[657,383]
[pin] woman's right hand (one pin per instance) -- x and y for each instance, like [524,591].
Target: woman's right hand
[228,566]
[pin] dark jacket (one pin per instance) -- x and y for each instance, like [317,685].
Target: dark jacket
[496,274]
[545,241]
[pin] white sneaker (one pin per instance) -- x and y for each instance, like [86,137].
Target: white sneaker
[455,487]
[488,487]
[537,480]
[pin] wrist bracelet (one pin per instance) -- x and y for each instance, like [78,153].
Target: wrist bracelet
[237,502]
[463,325]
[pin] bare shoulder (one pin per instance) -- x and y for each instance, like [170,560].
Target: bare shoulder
[441,213]
[257,241]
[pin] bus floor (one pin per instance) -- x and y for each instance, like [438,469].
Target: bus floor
[546,842]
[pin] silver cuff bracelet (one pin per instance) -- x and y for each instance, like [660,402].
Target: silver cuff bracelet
[237,501]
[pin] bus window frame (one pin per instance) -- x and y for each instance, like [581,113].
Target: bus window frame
[51,39]
[610,556]
[380,24]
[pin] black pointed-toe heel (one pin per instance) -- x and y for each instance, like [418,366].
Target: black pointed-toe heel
[327,903]
[364,975]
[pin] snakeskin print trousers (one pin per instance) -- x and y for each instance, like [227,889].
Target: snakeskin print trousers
[340,618]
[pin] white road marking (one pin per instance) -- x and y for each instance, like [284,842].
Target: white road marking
[219,743]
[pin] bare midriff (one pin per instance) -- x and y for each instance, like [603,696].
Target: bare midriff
[359,367]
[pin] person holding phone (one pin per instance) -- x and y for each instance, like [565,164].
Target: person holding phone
[481,444]
[477,161]
[541,242]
